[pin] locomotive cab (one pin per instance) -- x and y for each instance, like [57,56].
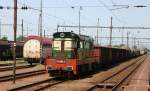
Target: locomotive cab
[67,52]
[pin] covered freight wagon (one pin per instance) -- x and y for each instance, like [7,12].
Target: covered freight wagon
[32,49]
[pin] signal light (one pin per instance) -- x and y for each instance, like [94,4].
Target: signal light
[8,7]
[140,6]
[25,7]
[1,7]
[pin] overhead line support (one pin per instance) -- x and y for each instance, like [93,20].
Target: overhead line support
[104,27]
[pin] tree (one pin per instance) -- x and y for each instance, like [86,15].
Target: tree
[4,38]
[19,38]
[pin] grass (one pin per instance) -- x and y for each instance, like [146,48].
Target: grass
[10,62]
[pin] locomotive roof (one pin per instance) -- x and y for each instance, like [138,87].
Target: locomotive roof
[72,35]
[45,40]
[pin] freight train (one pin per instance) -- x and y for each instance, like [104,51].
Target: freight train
[74,54]
[32,49]
[6,49]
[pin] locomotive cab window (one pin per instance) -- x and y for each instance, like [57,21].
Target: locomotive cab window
[57,45]
[68,45]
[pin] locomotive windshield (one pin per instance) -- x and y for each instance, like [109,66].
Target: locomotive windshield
[68,44]
[62,44]
[63,48]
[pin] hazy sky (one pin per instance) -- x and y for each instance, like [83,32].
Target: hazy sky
[61,12]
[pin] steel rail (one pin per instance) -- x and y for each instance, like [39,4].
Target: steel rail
[122,80]
[21,75]
[95,86]
[18,67]
[39,85]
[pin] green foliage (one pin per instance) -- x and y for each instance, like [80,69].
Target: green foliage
[4,38]
[19,38]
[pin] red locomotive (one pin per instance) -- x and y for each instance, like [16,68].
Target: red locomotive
[74,54]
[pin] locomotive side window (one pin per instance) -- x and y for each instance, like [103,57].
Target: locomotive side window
[87,45]
[74,44]
[81,44]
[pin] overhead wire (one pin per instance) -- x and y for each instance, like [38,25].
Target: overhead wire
[47,14]
[112,2]
[78,6]
[66,2]
[101,2]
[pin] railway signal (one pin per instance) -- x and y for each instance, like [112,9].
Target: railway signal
[1,7]
[0,29]
[23,7]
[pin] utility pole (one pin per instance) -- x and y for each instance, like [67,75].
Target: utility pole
[41,33]
[44,32]
[138,44]
[14,46]
[57,27]
[0,29]
[80,8]
[22,29]
[128,39]
[39,24]
[134,41]
[110,50]
[122,36]
[27,30]
[97,31]
[110,32]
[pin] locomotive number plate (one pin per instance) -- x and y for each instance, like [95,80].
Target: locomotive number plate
[61,61]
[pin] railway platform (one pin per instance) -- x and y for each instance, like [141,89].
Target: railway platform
[141,80]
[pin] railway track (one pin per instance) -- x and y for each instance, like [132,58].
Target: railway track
[37,86]
[18,67]
[21,75]
[114,81]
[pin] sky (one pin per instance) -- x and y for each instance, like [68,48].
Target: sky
[66,12]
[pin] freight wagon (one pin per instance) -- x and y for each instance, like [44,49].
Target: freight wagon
[32,49]
[74,54]
[6,49]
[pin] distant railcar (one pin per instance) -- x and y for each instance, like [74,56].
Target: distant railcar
[6,49]
[31,50]
[74,54]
